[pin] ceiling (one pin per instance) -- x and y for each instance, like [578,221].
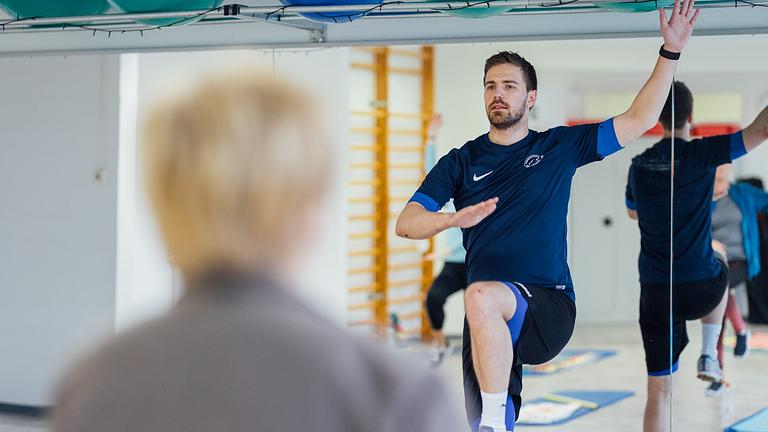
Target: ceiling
[392,24]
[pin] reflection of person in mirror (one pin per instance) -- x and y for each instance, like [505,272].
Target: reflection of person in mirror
[511,188]
[700,270]
[453,276]
[451,279]
[236,186]
[734,223]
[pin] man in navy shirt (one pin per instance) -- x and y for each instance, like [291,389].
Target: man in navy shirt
[511,188]
[700,272]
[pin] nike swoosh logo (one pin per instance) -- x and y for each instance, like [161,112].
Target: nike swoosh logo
[477,178]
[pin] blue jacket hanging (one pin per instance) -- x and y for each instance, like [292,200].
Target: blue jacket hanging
[750,201]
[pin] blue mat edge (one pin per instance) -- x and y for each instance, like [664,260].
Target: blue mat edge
[581,411]
[604,354]
[731,427]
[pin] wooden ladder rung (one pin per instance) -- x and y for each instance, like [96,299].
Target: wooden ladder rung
[365,182]
[405,149]
[358,306]
[406,53]
[405,182]
[358,218]
[366,66]
[403,250]
[363,322]
[370,130]
[416,166]
[365,165]
[415,265]
[364,252]
[370,288]
[362,270]
[407,132]
[404,70]
[405,300]
[384,113]
[404,283]
[371,148]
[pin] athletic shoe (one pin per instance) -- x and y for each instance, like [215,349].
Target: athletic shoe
[708,369]
[436,356]
[741,350]
[715,389]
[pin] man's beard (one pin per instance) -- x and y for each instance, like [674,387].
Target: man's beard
[500,121]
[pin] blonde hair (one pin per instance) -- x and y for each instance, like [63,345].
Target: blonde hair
[233,166]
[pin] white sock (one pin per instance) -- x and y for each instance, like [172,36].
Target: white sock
[494,410]
[710,333]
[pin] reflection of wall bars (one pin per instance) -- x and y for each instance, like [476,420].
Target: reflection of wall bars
[391,102]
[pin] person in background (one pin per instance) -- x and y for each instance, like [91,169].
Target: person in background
[453,276]
[740,236]
[451,279]
[238,170]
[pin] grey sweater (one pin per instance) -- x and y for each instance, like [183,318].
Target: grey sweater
[239,355]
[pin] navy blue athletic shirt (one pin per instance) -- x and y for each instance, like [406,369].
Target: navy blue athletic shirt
[524,240]
[648,193]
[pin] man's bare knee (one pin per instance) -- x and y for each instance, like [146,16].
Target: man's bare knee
[484,300]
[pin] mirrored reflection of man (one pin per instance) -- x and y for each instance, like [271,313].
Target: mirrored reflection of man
[700,270]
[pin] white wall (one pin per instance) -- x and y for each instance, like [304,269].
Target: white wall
[58,117]
[150,287]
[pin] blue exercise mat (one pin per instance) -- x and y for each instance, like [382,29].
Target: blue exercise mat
[567,360]
[757,422]
[590,400]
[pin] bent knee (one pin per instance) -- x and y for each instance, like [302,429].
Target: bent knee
[489,299]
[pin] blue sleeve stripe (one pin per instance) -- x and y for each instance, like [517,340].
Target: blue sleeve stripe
[607,143]
[425,201]
[665,372]
[631,204]
[737,145]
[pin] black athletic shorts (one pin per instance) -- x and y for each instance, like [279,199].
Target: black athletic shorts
[691,301]
[540,329]
[737,273]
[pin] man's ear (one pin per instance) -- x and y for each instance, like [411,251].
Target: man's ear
[532,99]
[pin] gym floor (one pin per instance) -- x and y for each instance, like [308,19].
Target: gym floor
[693,411]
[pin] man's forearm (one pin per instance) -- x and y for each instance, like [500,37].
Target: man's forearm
[647,106]
[757,132]
[415,222]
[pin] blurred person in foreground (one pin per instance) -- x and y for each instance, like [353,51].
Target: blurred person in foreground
[237,169]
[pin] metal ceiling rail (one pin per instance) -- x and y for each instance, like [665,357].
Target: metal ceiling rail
[281,13]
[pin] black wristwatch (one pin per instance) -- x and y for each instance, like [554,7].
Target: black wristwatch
[669,54]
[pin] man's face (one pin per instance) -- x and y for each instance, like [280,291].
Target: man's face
[507,99]
[722,181]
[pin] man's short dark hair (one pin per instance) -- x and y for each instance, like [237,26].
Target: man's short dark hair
[683,107]
[514,59]
[754,181]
